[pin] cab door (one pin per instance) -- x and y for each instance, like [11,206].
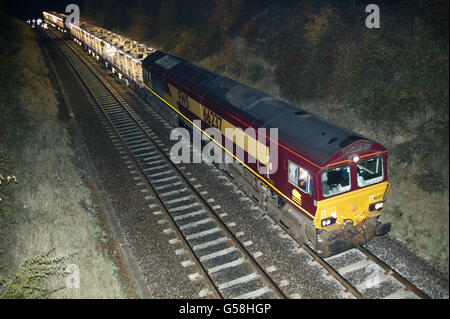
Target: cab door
[301,187]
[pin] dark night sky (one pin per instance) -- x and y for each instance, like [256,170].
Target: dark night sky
[24,9]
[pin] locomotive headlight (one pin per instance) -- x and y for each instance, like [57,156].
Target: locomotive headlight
[376,206]
[327,221]
[355,158]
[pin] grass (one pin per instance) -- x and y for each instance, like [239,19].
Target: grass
[48,219]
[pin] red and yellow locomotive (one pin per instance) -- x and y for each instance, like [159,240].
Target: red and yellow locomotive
[329,184]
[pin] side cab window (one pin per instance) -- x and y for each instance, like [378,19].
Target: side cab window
[300,178]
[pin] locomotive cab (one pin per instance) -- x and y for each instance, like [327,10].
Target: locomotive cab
[350,196]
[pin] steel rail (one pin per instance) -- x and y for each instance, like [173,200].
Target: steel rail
[391,272]
[324,264]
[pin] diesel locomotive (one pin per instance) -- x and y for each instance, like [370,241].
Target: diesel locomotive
[330,183]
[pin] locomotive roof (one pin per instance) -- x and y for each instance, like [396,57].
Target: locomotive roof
[308,134]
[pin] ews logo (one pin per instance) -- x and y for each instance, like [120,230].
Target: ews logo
[183,99]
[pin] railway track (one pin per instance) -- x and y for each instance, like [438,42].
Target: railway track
[223,261]
[364,275]
[408,287]
[229,270]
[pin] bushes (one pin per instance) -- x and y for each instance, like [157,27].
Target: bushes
[392,75]
[32,278]
[398,74]
[321,49]
[239,61]
[197,43]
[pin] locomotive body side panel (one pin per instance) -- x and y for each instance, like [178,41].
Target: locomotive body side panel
[186,103]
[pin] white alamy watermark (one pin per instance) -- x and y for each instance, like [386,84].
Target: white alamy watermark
[236,142]
[73,276]
[74,15]
[373,19]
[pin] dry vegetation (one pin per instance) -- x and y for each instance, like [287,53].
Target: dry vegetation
[47,219]
[240,62]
